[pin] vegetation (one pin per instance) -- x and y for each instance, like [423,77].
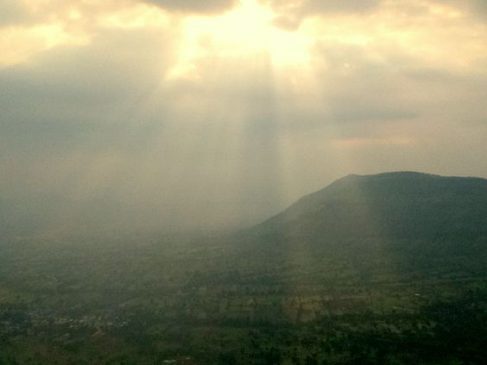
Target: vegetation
[388,269]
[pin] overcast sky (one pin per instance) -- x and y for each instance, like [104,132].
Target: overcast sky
[176,114]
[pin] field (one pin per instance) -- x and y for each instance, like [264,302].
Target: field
[195,301]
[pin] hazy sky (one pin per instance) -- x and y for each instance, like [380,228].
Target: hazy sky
[189,113]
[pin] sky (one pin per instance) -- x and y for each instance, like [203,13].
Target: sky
[140,115]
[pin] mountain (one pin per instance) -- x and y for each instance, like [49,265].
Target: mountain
[397,205]
[406,222]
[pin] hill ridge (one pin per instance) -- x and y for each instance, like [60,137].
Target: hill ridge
[397,201]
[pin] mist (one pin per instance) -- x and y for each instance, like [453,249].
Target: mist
[149,125]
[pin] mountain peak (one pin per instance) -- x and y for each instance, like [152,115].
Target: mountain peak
[400,203]
[391,175]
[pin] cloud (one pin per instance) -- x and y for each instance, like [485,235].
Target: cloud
[290,13]
[12,12]
[316,7]
[476,8]
[103,135]
[195,6]
[339,6]
[87,132]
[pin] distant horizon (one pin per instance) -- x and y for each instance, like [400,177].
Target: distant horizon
[202,231]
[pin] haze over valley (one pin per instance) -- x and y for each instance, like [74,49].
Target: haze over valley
[243,182]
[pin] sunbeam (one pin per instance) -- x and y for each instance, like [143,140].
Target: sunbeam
[246,32]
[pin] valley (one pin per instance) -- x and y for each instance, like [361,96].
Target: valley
[319,284]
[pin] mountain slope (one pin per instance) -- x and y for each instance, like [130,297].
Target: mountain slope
[401,205]
[391,227]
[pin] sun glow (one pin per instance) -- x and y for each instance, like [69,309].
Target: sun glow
[19,44]
[246,32]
